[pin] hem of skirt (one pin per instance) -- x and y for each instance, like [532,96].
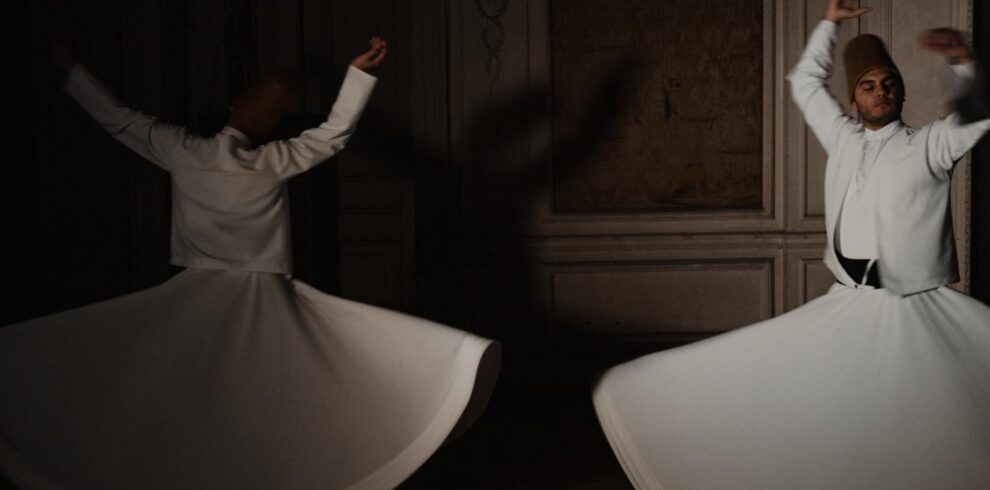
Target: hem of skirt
[403,465]
[21,473]
[618,438]
[390,475]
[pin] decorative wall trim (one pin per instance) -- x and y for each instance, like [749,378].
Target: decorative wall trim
[493,37]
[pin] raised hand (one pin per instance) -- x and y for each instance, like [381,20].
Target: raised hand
[840,10]
[372,57]
[947,42]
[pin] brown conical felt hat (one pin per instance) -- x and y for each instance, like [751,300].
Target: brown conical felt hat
[862,54]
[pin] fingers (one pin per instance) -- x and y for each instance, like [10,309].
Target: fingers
[945,31]
[947,42]
[372,60]
[858,12]
[850,5]
[935,45]
[378,49]
[941,37]
[840,10]
[379,57]
[373,56]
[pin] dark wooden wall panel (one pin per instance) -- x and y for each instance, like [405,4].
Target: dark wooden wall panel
[494,112]
[379,230]
[691,136]
[616,299]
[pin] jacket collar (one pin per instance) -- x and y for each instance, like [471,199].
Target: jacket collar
[884,132]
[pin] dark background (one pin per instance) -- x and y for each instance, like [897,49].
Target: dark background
[981,174]
[84,220]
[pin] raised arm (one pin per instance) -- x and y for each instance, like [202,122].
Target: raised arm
[290,157]
[145,135]
[950,138]
[809,78]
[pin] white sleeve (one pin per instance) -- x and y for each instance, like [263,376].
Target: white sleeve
[145,135]
[950,139]
[290,157]
[809,88]
[963,75]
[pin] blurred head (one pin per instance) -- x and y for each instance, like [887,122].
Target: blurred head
[876,88]
[259,109]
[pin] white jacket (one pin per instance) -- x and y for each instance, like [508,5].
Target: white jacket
[914,226]
[230,206]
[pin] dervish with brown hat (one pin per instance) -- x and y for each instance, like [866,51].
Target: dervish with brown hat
[880,383]
[886,184]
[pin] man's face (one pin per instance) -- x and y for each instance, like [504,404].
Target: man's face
[879,98]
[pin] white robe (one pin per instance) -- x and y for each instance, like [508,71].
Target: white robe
[857,233]
[231,375]
[230,205]
[859,389]
[913,228]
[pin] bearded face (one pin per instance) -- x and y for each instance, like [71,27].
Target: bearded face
[879,98]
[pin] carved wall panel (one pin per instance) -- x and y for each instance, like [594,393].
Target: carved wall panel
[657,287]
[370,224]
[520,148]
[374,172]
[687,132]
[494,109]
[807,275]
[652,298]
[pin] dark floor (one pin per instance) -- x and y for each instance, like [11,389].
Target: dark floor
[533,435]
[539,431]
[528,438]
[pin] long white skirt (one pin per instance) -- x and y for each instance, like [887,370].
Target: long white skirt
[858,389]
[228,379]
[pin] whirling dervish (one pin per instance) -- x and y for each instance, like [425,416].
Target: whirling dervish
[882,382]
[231,374]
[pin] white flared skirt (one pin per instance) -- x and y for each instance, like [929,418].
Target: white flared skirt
[230,379]
[858,389]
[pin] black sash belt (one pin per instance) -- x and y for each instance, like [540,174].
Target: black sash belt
[856,268]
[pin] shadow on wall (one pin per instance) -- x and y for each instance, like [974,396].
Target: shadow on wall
[490,141]
[539,420]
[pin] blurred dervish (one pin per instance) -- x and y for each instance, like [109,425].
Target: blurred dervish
[232,374]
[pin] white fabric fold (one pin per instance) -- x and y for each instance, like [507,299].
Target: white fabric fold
[859,389]
[232,379]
